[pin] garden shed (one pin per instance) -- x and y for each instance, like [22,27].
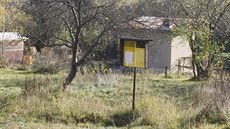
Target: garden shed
[11,46]
[163,51]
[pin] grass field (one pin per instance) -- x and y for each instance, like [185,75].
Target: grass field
[30,100]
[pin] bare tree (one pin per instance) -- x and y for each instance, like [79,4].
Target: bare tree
[77,18]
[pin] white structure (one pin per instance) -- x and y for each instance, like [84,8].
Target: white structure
[11,36]
[12,46]
[163,51]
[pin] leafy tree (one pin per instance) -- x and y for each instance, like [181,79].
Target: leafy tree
[205,31]
[11,16]
[3,14]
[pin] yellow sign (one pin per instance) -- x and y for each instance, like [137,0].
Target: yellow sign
[133,53]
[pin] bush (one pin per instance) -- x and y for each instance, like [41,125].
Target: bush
[212,115]
[50,62]
[212,100]
[13,65]
[19,66]
[3,63]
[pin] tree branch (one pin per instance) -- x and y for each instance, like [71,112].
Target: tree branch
[95,43]
[222,13]
[62,39]
[87,21]
[56,45]
[69,28]
[48,45]
[183,8]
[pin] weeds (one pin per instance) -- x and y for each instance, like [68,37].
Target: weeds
[159,113]
[122,118]
[212,100]
[96,100]
[37,86]
[3,63]
[51,63]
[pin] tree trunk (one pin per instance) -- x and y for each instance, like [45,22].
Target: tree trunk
[194,66]
[199,72]
[202,73]
[73,69]
[70,76]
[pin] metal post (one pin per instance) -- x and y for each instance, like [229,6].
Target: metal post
[166,71]
[134,87]
[3,38]
[2,49]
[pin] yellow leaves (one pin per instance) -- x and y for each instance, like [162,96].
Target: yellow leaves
[2,10]
[3,14]
[11,16]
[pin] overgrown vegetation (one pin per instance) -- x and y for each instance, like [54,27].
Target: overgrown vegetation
[51,62]
[32,97]
[104,100]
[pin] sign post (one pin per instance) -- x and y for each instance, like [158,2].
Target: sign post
[133,53]
[134,86]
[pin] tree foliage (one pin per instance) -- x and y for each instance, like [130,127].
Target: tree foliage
[44,23]
[3,13]
[11,17]
[206,31]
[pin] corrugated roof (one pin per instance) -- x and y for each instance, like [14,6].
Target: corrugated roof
[154,23]
[6,36]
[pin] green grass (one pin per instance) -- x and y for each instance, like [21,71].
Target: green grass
[30,100]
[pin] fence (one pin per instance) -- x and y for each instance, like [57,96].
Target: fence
[182,65]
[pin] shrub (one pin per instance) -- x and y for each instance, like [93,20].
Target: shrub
[19,66]
[3,63]
[212,100]
[210,114]
[50,62]
[13,65]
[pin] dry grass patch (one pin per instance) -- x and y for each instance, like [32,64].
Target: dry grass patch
[159,113]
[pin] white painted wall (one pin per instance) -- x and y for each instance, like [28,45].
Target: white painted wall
[179,49]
